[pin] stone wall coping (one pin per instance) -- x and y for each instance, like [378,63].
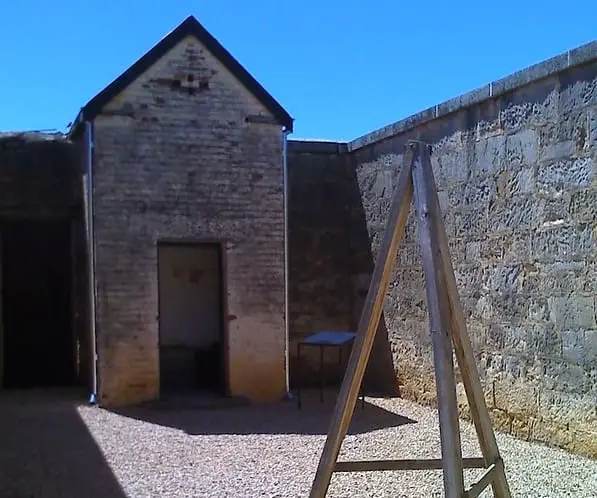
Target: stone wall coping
[316,146]
[32,136]
[571,58]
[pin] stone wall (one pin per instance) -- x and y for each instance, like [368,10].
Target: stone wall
[171,164]
[319,295]
[329,261]
[39,176]
[515,164]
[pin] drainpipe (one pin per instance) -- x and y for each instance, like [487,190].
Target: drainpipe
[91,255]
[288,395]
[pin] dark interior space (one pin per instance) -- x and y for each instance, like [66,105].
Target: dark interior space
[38,339]
[191,318]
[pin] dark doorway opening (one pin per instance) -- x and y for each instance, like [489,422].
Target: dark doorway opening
[191,309]
[38,345]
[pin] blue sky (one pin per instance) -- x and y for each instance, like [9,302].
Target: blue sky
[340,68]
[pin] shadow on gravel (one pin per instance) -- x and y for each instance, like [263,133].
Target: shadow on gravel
[281,418]
[46,450]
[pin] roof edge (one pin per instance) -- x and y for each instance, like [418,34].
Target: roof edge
[575,57]
[190,26]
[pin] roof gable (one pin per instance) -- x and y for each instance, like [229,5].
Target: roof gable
[190,26]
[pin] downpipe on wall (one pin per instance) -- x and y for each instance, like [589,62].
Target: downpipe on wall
[288,394]
[93,398]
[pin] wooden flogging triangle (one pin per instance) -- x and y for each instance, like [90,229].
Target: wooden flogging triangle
[448,333]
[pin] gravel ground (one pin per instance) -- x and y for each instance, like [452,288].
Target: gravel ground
[53,448]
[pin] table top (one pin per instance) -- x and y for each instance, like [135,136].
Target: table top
[325,338]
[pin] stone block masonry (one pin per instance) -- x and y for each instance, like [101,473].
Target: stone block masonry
[319,283]
[517,177]
[329,261]
[174,164]
[516,168]
[39,176]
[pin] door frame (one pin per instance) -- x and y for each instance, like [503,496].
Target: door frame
[220,244]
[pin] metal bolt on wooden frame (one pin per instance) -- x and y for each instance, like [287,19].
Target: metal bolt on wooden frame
[448,329]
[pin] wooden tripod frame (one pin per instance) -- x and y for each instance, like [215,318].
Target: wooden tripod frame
[446,318]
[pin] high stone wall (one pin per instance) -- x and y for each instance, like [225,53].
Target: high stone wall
[517,177]
[515,165]
[329,261]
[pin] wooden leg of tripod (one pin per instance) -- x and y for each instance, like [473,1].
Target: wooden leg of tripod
[438,306]
[367,328]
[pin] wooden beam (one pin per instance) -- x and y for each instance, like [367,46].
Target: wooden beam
[464,351]
[437,303]
[366,330]
[415,464]
[487,478]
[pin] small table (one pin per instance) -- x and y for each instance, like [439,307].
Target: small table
[323,340]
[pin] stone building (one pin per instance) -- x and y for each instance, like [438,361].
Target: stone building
[185,239]
[182,158]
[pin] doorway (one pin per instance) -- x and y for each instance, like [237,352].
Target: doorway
[191,310]
[37,343]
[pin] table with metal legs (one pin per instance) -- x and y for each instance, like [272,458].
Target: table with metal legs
[325,340]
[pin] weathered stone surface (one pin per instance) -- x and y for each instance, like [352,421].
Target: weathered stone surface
[564,138]
[516,398]
[573,346]
[187,165]
[521,148]
[565,174]
[566,408]
[452,167]
[509,214]
[568,378]
[39,176]
[469,195]
[578,88]
[572,311]
[592,128]
[562,243]
[517,180]
[522,427]
[520,181]
[490,154]
[534,105]
[583,206]
[552,433]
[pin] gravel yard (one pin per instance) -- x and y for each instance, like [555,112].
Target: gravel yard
[50,447]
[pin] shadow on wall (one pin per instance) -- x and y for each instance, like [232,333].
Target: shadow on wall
[46,449]
[330,262]
[380,376]
[282,418]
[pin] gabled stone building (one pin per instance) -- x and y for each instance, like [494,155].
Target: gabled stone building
[186,154]
[183,202]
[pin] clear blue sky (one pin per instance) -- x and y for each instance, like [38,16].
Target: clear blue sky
[340,68]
